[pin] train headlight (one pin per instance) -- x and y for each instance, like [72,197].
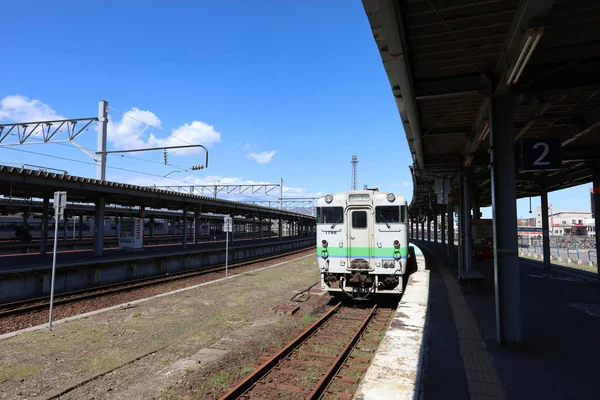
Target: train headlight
[328,199]
[391,197]
[324,243]
[396,243]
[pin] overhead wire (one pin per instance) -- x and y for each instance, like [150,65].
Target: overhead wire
[91,163]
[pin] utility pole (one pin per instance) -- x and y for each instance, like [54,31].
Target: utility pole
[102,124]
[280,193]
[354,162]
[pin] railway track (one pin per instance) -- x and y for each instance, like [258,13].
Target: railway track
[42,303]
[326,361]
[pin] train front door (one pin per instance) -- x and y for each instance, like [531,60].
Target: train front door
[359,233]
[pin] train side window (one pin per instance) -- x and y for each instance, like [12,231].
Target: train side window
[403,214]
[359,219]
[330,215]
[387,214]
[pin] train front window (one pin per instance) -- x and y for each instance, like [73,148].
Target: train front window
[359,219]
[387,215]
[330,215]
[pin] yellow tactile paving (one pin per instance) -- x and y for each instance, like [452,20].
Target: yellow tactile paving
[482,377]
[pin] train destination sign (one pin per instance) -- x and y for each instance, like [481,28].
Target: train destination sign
[541,154]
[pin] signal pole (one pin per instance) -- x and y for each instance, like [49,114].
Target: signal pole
[354,163]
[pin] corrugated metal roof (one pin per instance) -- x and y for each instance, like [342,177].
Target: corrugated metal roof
[12,179]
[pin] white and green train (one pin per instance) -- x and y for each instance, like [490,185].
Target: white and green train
[362,242]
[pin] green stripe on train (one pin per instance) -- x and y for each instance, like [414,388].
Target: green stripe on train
[362,251]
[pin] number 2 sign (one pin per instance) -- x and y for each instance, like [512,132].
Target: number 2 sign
[541,154]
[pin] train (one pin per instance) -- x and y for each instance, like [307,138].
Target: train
[362,243]
[12,227]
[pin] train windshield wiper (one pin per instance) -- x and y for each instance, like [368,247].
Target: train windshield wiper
[337,222]
[384,221]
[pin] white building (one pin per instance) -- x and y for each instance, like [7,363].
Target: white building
[564,222]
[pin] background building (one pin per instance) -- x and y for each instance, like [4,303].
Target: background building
[567,222]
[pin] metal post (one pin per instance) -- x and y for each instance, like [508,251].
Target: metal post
[506,258]
[435,227]
[443,226]
[232,227]
[468,254]
[260,226]
[185,219]
[44,230]
[280,193]
[423,229]
[197,216]
[450,219]
[65,226]
[596,194]
[227,249]
[99,227]
[53,265]
[80,233]
[461,230]
[117,227]
[545,229]
[429,227]
[151,228]
[102,125]
[280,228]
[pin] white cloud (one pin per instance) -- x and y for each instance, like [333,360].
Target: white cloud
[19,108]
[130,132]
[247,146]
[264,157]
[401,184]
[135,129]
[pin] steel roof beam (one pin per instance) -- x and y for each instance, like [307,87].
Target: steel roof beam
[388,19]
[452,87]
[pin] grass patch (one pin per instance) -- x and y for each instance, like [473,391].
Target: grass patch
[319,348]
[308,319]
[137,315]
[219,379]
[309,379]
[20,371]
[246,370]
[354,373]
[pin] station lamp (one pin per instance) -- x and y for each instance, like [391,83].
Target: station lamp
[528,43]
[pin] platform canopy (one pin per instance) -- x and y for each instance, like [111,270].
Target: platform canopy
[32,184]
[446,58]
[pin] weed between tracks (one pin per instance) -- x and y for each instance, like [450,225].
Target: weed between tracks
[187,322]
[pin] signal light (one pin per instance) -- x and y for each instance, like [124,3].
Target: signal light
[196,167]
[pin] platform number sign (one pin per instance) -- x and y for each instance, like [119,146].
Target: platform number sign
[541,154]
[227,224]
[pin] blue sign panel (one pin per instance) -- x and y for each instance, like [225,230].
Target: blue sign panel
[541,154]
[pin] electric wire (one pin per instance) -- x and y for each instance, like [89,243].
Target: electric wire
[91,163]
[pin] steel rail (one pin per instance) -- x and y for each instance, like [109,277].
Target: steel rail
[332,371]
[265,368]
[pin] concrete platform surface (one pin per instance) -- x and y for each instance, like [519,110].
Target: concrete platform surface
[395,371]
[150,344]
[561,322]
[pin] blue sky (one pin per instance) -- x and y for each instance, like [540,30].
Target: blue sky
[286,89]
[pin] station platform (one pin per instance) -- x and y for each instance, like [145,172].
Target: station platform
[9,263]
[560,313]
